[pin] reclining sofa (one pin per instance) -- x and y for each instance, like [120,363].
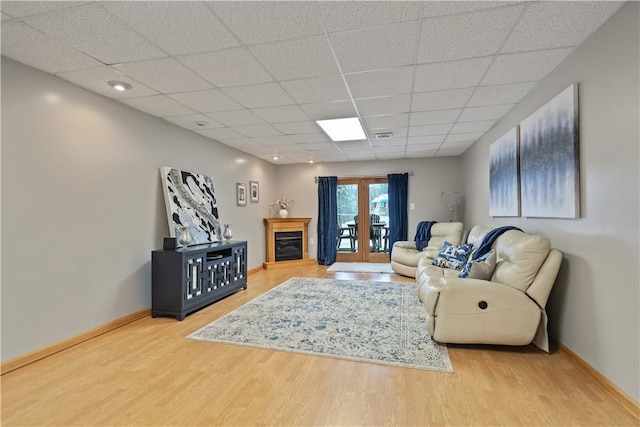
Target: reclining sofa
[508,308]
[405,255]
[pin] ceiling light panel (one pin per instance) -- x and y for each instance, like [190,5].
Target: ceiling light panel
[345,129]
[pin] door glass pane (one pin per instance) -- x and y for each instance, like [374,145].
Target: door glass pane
[379,218]
[347,213]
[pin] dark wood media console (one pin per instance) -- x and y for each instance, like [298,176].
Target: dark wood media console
[187,279]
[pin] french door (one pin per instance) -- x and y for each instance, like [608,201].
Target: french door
[363,220]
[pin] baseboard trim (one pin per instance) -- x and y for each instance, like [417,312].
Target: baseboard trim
[254,270]
[620,396]
[20,361]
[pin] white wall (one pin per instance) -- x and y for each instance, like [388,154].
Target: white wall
[82,205]
[431,177]
[595,304]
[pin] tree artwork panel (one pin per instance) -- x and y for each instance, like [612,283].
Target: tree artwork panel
[549,159]
[504,184]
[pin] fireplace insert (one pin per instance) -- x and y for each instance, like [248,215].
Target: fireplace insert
[288,245]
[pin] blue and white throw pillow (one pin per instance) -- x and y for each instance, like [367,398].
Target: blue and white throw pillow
[452,256]
[481,268]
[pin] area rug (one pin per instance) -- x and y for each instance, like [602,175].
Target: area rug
[376,322]
[361,267]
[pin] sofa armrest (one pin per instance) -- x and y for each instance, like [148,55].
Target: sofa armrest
[405,244]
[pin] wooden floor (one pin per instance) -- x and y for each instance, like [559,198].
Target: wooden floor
[146,374]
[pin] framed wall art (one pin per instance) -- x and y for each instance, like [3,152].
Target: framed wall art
[241,194]
[254,191]
[550,159]
[191,202]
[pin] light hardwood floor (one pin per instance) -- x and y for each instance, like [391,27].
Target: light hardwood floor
[146,373]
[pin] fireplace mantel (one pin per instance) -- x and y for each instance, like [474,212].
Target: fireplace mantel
[274,225]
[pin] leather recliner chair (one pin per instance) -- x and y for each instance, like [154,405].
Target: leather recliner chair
[405,255]
[507,309]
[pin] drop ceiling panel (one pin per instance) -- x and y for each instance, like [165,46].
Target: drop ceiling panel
[463,137]
[296,59]
[96,32]
[27,8]
[280,142]
[95,79]
[329,110]
[32,47]
[164,75]
[430,130]
[440,100]
[475,114]
[313,138]
[261,95]
[256,131]
[4,16]
[287,113]
[158,105]
[362,50]
[189,121]
[500,94]
[221,67]
[207,101]
[426,139]
[434,117]
[260,22]
[178,27]
[524,67]
[450,75]
[441,8]
[317,89]
[466,35]
[558,24]
[221,134]
[236,118]
[362,14]
[296,128]
[469,127]
[391,81]
[384,105]
[386,121]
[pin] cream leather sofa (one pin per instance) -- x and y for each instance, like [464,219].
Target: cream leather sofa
[405,256]
[507,309]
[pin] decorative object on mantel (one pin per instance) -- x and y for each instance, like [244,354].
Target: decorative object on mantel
[504,182]
[228,232]
[550,159]
[283,204]
[451,200]
[190,201]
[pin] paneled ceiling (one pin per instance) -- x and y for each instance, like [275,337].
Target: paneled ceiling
[256,75]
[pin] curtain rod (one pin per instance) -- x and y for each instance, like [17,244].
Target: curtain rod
[315,178]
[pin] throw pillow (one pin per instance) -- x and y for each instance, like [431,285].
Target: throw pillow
[452,256]
[481,268]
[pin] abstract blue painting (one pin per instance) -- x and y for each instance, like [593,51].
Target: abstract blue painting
[550,159]
[191,201]
[504,184]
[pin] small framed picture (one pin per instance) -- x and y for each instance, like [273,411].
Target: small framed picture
[241,194]
[254,191]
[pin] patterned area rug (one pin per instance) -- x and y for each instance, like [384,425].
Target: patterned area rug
[377,322]
[361,267]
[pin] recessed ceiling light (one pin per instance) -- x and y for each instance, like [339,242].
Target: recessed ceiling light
[310,160]
[120,86]
[348,129]
[275,157]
